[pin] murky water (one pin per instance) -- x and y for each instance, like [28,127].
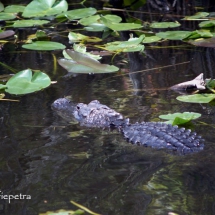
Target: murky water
[53,161]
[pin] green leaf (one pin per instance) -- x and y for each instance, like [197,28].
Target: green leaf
[7,16]
[75,37]
[44,46]
[132,45]
[78,13]
[174,35]
[151,39]
[198,16]
[14,9]
[180,118]
[82,63]
[120,26]
[207,24]
[165,25]
[40,8]
[199,34]
[1,7]
[29,23]
[23,82]
[197,98]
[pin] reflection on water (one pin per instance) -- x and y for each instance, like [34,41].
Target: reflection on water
[95,167]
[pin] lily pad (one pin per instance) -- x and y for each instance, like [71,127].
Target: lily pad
[180,118]
[197,98]
[76,37]
[44,46]
[174,35]
[120,26]
[82,63]
[14,9]
[200,34]
[197,16]
[132,45]
[29,23]
[40,8]
[151,39]
[23,82]
[7,16]
[165,24]
[207,24]
[78,13]
[7,33]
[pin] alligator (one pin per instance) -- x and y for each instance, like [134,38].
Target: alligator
[154,134]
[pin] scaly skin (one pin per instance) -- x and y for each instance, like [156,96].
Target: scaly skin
[153,134]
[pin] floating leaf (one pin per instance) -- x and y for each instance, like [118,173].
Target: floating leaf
[29,23]
[165,25]
[23,82]
[7,33]
[82,63]
[174,35]
[207,24]
[180,118]
[1,7]
[151,39]
[89,20]
[198,16]
[97,27]
[7,16]
[132,45]
[78,13]
[44,46]
[14,9]
[120,26]
[199,34]
[40,8]
[197,98]
[75,37]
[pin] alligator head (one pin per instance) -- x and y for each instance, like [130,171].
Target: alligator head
[93,114]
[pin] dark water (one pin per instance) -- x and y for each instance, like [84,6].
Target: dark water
[54,161]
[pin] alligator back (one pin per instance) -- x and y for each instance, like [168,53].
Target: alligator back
[162,135]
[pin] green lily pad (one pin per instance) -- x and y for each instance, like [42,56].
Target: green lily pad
[132,45]
[76,37]
[44,46]
[197,16]
[1,7]
[14,9]
[200,34]
[174,35]
[78,13]
[7,16]
[197,98]
[23,82]
[29,23]
[151,39]
[120,26]
[165,25]
[180,118]
[207,24]
[82,63]
[40,8]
